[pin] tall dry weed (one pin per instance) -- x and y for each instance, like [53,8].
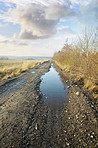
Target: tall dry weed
[81,59]
[12,68]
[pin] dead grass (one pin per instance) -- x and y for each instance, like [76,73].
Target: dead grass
[13,68]
[82,61]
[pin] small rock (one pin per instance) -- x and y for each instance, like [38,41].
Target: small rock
[77,93]
[67,144]
[94,120]
[91,136]
[68,86]
[36,126]
[88,134]
[37,97]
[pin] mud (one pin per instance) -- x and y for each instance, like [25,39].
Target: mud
[27,122]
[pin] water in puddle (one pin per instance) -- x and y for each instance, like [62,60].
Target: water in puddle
[54,89]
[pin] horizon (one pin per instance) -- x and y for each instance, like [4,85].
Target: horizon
[41,28]
[24,57]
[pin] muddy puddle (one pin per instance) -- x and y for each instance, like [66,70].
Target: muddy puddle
[54,90]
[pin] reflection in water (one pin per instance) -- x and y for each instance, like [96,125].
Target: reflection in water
[54,88]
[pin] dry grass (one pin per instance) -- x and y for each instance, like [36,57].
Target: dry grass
[13,68]
[82,61]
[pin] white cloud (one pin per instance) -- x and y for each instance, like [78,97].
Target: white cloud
[1,25]
[90,7]
[38,21]
[24,48]
[89,13]
[81,2]
[11,41]
[33,23]
[2,38]
[48,2]
[57,11]
[67,31]
[25,2]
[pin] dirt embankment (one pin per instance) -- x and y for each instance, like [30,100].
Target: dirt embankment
[26,121]
[79,124]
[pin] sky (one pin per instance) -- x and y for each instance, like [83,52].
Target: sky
[41,27]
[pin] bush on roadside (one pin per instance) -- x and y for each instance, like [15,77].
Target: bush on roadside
[81,60]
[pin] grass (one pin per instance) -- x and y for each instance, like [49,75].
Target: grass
[82,61]
[13,68]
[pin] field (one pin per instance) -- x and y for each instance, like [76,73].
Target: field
[13,68]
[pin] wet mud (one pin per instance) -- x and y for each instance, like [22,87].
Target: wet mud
[26,121]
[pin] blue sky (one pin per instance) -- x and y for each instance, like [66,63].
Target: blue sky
[41,27]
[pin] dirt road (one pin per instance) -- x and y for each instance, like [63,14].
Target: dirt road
[27,122]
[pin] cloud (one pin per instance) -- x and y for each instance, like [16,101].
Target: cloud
[46,2]
[89,13]
[33,23]
[39,21]
[67,31]
[13,42]
[42,2]
[23,44]
[10,41]
[57,11]
[80,2]
[1,25]
[24,2]
[90,7]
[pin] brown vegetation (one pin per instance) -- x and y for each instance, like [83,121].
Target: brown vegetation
[82,61]
[12,68]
